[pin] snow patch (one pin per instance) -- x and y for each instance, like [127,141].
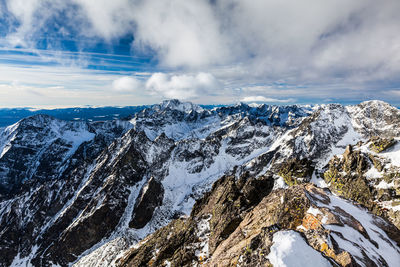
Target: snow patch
[203,233]
[373,173]
[318,181]
[314,211]
[290,249]
[384,185]
[386,248]
[393,154]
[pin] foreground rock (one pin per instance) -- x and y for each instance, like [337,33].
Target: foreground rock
[369,177]
[230,228]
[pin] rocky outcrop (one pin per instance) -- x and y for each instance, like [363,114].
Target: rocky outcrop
[150,197]
[296,171]
[322,221]
[381,144]
[214,217]
[347,176]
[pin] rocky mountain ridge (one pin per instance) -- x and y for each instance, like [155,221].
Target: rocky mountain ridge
[137,176]
[277,228]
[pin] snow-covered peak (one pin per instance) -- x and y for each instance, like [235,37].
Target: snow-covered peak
[39,147]
[375,118]
[375,103]
[186,120]
[37,120]
[175,104]
[374,106]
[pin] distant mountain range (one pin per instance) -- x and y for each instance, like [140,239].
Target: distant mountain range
[177,184]
[10,116]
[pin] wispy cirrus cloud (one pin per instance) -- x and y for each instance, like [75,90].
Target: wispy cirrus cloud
[45,86]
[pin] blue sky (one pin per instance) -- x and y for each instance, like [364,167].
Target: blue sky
[56,53]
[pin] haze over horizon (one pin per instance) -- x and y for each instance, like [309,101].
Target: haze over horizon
[134,52]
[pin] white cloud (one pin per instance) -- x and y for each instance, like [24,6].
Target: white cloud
[108,19]
[300,40]
[35,21]
[182,86]
[333,47]
[24,13]
[266,99]
[183,32]
[127,84]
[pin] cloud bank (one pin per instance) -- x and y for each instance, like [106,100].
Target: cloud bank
[127,84]
[182,86]
[185,87]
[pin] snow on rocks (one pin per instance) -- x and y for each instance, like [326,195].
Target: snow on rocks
[290,249]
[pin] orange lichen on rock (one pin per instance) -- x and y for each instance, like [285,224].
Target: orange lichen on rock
[343,258]
[311,222]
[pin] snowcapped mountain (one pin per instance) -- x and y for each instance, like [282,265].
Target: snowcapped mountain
[38,148]
[186,120]
[85,193]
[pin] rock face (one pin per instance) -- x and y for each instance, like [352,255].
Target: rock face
[375,118]
[81,193]
[367,176]
[352,185]
[42,141]
[381,144]
[318,220]
[296,171]
[150,197]
[213,219]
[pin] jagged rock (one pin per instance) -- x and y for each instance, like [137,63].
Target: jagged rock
[348,151]
[296,171]
[377,162]
[394,215]
[345,176]
[219,212]
[312,212]
[379,145]
[150,197]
